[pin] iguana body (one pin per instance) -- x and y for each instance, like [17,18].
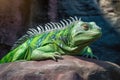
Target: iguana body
[69,37]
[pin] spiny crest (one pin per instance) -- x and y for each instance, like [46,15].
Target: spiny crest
[52,26]
[47,28]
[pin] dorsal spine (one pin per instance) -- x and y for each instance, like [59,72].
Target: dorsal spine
[47,28]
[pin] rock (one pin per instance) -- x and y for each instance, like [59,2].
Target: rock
[78,8]
[39,12]
[111,31]
[14,20]
[4,49]
[112,12]
[14,16]
[70,68]
[109,11]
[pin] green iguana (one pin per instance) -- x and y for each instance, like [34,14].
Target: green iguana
[68,37]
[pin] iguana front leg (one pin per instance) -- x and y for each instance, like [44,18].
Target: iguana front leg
[45,52]
[87,52]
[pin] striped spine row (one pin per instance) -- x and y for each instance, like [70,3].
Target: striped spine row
[49,27]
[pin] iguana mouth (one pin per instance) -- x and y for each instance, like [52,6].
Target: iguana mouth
[87,42]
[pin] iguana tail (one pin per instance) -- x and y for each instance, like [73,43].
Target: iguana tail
[20,53]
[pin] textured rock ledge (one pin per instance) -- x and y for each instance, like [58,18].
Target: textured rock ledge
[70,68]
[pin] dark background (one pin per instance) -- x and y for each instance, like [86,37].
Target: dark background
[16,16]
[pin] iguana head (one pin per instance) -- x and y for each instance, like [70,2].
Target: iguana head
[83,33]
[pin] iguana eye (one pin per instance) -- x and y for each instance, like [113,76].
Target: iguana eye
[85,27]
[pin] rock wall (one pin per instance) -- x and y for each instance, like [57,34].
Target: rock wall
[111,11]
[14,18]
[39,12]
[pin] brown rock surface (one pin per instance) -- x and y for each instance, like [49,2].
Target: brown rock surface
[70,68]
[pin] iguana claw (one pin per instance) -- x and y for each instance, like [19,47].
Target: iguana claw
[90,56]
[56,56]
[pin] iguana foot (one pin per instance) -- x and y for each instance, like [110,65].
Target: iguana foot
[90,56]
[55,56]
[42,56]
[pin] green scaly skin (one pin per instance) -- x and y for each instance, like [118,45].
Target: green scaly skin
[73,39]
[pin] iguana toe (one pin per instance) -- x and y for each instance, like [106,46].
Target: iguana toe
[90,56]
[56,56]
